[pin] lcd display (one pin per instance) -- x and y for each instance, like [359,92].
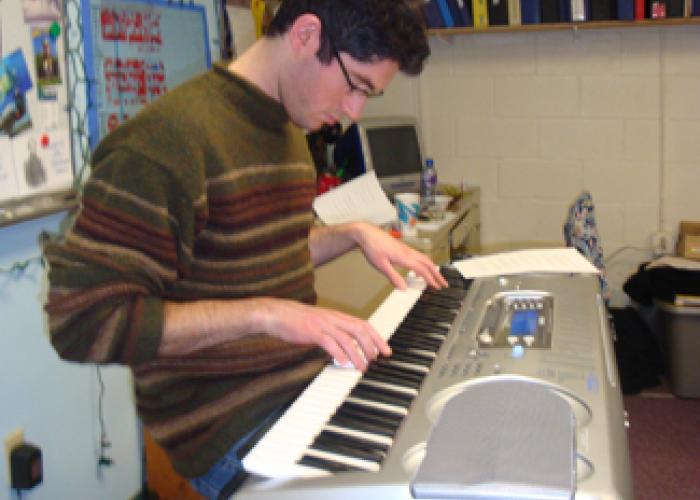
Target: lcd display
[524,322]
[394,150]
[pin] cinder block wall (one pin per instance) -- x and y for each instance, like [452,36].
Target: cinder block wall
[534,118]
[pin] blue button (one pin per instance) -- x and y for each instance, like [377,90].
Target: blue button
[518,351]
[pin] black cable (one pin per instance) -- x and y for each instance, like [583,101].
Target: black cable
[103,459]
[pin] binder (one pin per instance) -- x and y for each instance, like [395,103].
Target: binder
[530,11]
[625,10]
[550,11]
[433,18]
[565,10]
[464,10]
[696,8]
[579,10]
[674,8]
[601,10]
[657,9]
[446,14]
[498,12]
[639,9]
[514,14]
[480,11]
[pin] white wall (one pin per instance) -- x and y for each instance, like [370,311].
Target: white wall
[534,118]
[55,402]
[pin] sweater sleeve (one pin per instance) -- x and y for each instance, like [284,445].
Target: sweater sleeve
[109,274]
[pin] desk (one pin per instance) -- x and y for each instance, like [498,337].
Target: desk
[351,285]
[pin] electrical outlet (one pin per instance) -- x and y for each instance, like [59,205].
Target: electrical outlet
[662,243]
[12,439]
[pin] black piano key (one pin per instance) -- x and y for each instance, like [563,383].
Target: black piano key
[394,375]
[411,358]
[422,324]
[417,341]
[370,413]
[343,449]
[344,420]
[328,465]
[381,395]
[400,369]
[348,446]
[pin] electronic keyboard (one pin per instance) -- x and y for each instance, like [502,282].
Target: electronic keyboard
[502,387]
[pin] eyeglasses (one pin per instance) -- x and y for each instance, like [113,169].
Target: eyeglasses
[368,93]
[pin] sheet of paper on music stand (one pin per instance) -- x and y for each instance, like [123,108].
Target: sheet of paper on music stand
[546,260]
[361,199]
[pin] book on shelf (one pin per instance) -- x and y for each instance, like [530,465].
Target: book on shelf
[625,10]
[530,12]
[463,12]
[433,18]
[578,10]
[514,17]
[498,12]
[550,11]
[600,10]
[480,13]
[446,14]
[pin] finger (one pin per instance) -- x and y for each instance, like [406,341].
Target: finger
[328,344]
[396,279]
[350,348]
[432,276]
[371,342]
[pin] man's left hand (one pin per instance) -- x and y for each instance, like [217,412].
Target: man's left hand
[384,252]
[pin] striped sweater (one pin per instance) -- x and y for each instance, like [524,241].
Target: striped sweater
[204,194]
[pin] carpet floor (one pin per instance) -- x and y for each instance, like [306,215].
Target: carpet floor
[664,442]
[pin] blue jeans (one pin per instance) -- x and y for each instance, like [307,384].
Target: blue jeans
[228,474]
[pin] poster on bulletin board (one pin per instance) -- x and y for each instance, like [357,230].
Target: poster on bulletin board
[135,51]
[35,149]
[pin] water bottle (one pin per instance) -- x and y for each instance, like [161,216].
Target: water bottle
[428,188]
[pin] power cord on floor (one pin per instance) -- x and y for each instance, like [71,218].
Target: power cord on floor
[103,460]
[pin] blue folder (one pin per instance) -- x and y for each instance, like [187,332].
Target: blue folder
[446,14]
[530,11]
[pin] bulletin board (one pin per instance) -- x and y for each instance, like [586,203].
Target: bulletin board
[36,173]
[136,50]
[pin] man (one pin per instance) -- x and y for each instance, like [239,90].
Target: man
[192,258]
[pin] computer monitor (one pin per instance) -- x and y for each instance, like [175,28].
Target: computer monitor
[391,146]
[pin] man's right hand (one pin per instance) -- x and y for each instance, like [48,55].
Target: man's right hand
[346,338]
[189,326]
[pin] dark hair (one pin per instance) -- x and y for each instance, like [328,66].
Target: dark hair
[366,29]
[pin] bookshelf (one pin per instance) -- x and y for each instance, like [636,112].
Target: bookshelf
[583,25]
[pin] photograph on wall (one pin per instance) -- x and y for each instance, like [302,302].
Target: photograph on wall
[14,83]
[48,76]
[41,11]
[42,162]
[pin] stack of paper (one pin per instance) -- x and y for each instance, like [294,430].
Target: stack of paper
[547,260]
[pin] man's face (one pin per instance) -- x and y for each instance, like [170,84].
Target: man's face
[321,93]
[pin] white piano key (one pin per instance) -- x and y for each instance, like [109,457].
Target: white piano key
[408,366]
[376,438]
[344,459]
[380,406]
[392,387]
